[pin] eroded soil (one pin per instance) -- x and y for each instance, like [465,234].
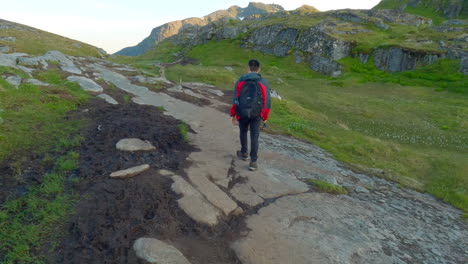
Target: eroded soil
[111,214]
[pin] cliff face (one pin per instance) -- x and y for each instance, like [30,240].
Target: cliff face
[172,28]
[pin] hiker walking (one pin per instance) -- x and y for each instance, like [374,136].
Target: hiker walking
[251,105]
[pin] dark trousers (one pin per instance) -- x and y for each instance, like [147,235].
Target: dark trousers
[254,125]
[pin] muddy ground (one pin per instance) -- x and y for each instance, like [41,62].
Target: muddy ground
[111,214]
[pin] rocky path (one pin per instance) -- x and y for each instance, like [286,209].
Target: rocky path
[377,222]
[285,220]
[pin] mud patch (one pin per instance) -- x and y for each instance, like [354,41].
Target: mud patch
[112,214]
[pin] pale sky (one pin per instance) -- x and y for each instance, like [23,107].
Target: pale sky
[116,24]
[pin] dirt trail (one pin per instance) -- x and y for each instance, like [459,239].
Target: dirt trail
[214,210]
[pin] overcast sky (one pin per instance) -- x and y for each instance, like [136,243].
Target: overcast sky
[115,24]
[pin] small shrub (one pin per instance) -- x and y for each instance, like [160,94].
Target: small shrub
[327,187]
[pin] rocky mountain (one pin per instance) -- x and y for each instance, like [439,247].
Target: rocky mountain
[391,39]
[172,28]
[448,9]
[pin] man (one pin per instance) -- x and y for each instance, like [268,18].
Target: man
[251,105]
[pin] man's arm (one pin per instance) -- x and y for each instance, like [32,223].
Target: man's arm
[266,101]
[234,97]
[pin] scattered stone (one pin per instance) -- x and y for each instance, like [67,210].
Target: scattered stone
[275,94]
[4,49]
[193,203]
[35,61]
[361,189]
[14,80]
[134,144]
[166,173]
[195,85]
[139,78]
[85,83]
[158,252]
[8,60]
[9,39]
[130,172]
[66,64]
[108,99]
[37,82]
[215,92]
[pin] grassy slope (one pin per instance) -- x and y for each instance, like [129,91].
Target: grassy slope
[34,123]
[37,42]
[426,8]
[417,135]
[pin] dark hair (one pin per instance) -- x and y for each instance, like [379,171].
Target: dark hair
[254,65]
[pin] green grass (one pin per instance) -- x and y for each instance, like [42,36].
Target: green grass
[183,128]
[28,221]
[412,125]
[35,123]
[327,187]
[34,116]
[442,75]
[37,42]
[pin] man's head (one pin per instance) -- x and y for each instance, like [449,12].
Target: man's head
[254,66]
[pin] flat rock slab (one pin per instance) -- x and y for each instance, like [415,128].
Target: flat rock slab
[85,83]
[130,172]
[108,99]
[37,82]
[194,204]
[134,144]
[198,176]
[158,252]
[310,228]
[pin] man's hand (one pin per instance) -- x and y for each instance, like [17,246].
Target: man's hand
[234,121]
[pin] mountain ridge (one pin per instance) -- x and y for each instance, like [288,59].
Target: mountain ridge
[172,28]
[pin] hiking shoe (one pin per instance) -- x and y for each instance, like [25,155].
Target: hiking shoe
[253,166]
[242,156]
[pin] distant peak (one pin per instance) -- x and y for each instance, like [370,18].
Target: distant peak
[307,9]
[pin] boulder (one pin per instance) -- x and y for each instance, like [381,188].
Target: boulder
[85,83]
[66,64]
[34,61]
[134,144]
[14,80]
[108,99]
[37,82]
[318,42]
[325,66]
[130,172]
[273,39]
[158,252]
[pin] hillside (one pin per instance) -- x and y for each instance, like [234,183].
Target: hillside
[431,8]
[15,37]
[172,28]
